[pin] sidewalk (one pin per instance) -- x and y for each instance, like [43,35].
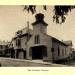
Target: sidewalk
[6,62]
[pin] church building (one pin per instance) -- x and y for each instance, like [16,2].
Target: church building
[36,44]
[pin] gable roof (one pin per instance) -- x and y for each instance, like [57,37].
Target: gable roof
[68,42]
[23,32]
[56,39]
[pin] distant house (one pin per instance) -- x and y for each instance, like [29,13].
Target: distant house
[3,48]
[69,48]
[73,53]
[37,44]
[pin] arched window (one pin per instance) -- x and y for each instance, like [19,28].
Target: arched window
[37,39]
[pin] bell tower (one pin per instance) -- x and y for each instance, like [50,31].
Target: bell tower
[39,25]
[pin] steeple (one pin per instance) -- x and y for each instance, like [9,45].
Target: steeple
[39,19]
[40,24]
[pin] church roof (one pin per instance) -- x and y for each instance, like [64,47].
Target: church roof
[68,42]
[30,31]
[23,32]
[62,42]
[42,22]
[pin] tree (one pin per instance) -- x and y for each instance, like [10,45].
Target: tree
[59,11]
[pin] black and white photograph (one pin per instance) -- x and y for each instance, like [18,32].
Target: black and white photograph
[37,35]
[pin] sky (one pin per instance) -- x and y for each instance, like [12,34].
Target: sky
[13,18]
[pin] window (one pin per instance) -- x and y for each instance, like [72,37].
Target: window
[19,32]
[18,42]
[1,46]
[53,54]
[58,51]
[65,51]
[62,52]
[6,46]
[37,39]
[52,49]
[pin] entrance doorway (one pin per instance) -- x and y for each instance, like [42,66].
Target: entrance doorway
[38,52]
[21,54]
